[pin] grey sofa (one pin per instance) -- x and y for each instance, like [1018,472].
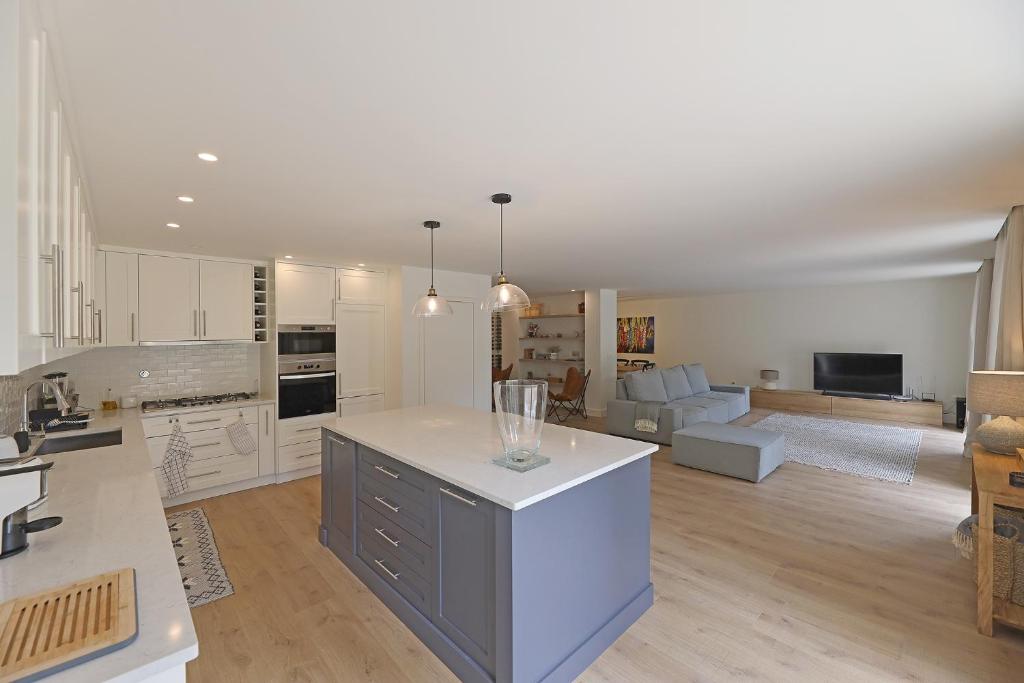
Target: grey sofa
[686,397]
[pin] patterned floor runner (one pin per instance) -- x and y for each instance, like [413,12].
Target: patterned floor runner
[202,574]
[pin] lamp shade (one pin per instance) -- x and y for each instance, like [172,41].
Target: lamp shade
[431,306]
[996,392]
[770,375]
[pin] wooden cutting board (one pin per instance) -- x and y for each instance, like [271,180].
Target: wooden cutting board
[61,627]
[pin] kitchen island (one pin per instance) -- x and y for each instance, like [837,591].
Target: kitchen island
[505,576]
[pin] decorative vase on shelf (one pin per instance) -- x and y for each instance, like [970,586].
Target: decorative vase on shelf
[521,406]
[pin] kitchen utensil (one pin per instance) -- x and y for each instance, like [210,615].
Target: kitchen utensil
[22,485]
[108,599]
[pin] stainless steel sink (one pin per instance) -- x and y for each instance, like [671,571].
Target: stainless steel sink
[79,442]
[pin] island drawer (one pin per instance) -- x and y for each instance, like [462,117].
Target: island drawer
[394,474]
[413,552]
[411,586]
[411,515]
[163,425]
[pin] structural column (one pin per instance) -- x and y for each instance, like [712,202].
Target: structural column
[599,347]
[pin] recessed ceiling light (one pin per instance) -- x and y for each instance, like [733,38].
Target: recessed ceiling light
[173,225]
[572,290]
[206,156]
[287,256]
[186,199]
[360,264]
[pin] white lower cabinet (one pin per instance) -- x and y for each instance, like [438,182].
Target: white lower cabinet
[298,443]
[215,462]
[360,405]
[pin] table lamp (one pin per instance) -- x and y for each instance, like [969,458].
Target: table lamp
[1000,394]
[769,379]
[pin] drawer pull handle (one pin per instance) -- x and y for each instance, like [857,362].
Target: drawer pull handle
[306,455]
[206,445]
[200,422]
[456,496]
[206,474]
[389,506]
[380,532]
[385,470]
[393,575]
[308,429]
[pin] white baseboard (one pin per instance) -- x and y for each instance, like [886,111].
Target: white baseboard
[285,477]
[221,490]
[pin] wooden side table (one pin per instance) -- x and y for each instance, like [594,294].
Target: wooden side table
[991,484]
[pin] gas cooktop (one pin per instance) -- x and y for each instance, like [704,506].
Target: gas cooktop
[194,401]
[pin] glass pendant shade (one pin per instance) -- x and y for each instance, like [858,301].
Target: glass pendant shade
[505,296]
[431,306]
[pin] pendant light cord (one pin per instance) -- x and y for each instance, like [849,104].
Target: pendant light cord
[501,239]
[431,258]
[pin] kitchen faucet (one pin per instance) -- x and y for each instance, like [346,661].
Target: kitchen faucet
[62,403]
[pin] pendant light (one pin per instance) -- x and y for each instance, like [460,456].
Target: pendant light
[431,305]
[504,296]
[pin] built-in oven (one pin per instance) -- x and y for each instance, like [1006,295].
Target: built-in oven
[305,341]
[306,386]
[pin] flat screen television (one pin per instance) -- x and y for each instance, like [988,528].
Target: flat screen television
[859,373]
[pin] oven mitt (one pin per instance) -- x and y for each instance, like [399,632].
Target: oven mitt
[176,458]
[240,437]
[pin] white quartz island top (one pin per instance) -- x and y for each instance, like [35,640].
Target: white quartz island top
[113,518]
[457,445]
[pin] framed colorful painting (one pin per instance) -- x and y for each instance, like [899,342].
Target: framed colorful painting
[636,334]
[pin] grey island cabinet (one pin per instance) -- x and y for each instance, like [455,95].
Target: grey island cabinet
[505,576]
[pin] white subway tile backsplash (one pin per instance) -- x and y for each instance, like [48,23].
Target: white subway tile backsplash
[173,371]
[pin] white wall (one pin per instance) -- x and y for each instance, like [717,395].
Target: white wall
[736,335]
[600,342]
[455,287]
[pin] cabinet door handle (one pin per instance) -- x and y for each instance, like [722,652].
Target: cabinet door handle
[393,575]
[80,291]
[92,320]
[306,455]
[380,532]
[389,506]
[266,423]
[467,501]
[385,470]
[132,315]
[195,323]
[205,474]
[99,325]
[204,322]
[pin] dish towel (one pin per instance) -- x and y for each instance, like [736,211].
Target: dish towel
[645,417]
[176,458]
[240,437]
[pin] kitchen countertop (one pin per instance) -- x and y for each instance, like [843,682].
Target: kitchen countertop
[457,445]
[113,518]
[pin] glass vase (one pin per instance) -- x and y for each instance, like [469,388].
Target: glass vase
[521,406]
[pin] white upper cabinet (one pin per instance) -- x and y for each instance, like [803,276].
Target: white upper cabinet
[361,286]
[305,294]
[168,298]
[118,308]
[361,349]
[225,294]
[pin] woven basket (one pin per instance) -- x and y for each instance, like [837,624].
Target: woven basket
[1017,592]
[1007,552]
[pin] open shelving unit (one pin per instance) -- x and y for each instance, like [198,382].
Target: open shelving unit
[260,304]
[570,326]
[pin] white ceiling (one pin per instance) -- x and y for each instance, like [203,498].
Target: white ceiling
[653,147]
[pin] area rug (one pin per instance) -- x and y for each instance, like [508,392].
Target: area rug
[202,574]
[866,450]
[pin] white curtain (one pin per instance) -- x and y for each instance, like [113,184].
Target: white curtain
[997,329]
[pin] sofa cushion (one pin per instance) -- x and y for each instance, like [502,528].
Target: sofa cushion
[620,390]
[676,383]
[697,377]
[646,386]
[718,411]
[737,406]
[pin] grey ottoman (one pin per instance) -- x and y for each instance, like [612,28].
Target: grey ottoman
[742,452]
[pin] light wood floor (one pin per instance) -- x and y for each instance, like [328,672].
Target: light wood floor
[807,576]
